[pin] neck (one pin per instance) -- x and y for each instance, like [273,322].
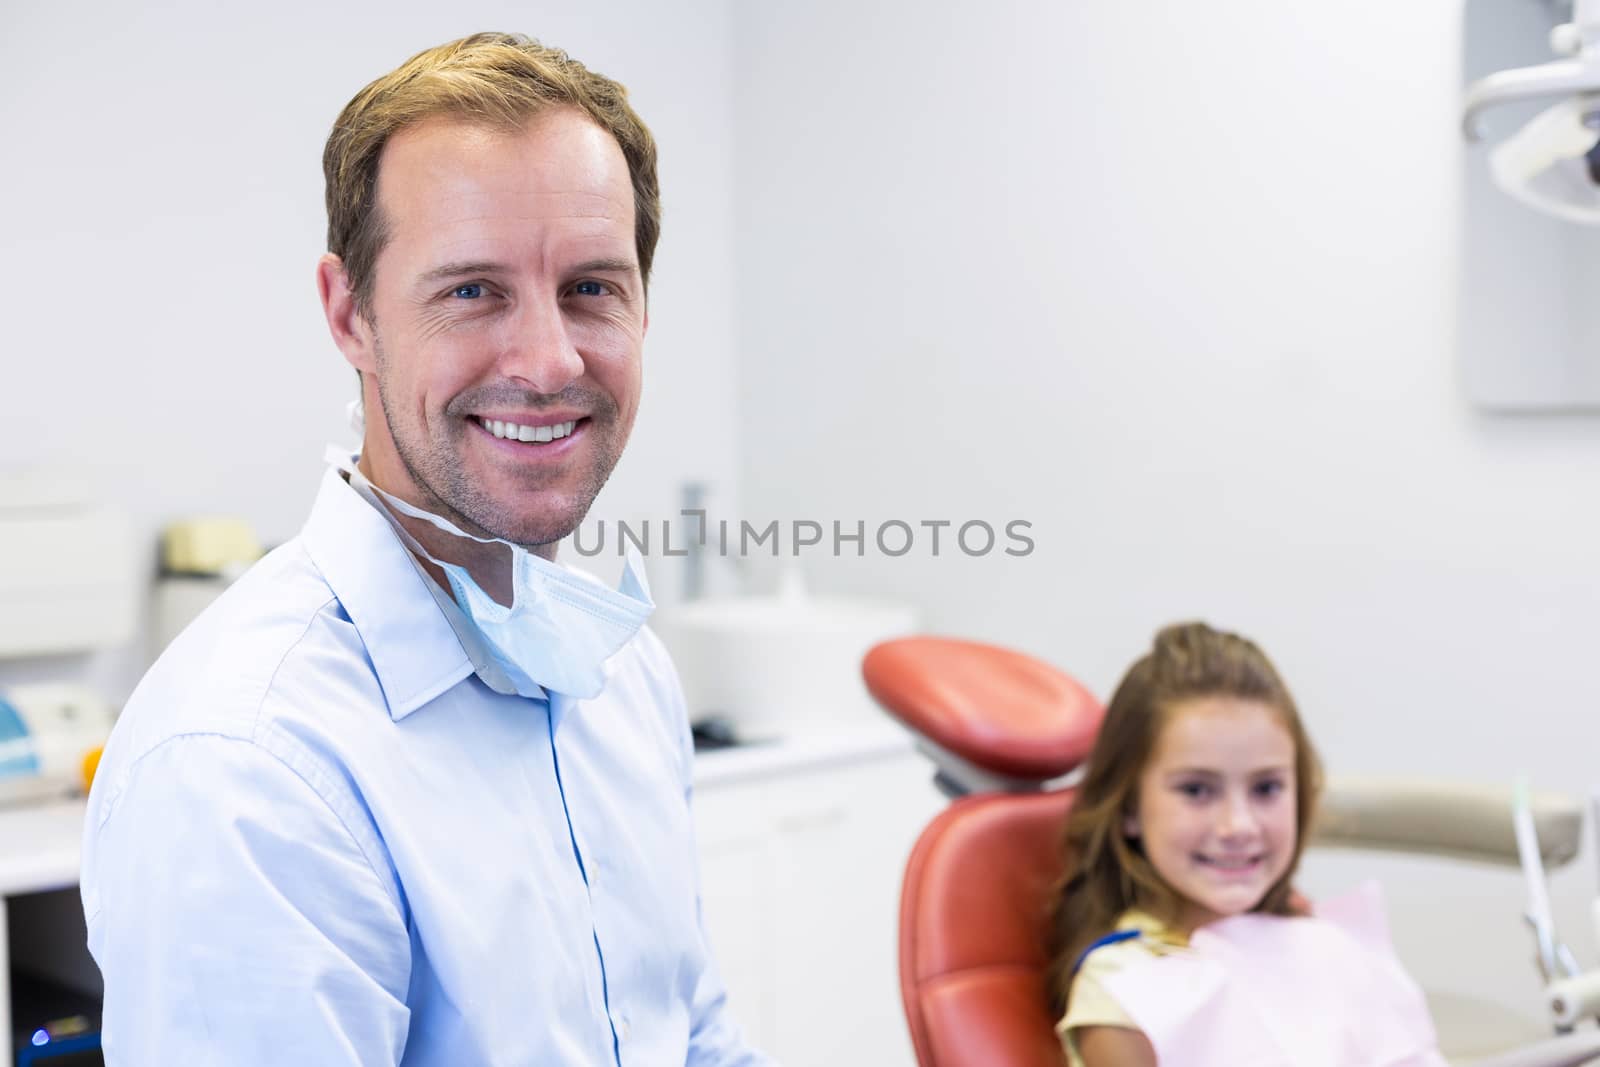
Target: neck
[490,565]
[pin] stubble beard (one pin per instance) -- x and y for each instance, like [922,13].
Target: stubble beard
[435,467]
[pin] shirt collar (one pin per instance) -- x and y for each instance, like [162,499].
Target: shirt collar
[414,650]
[1151,928]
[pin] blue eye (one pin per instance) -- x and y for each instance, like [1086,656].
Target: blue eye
[589,289]
[470,291]
[1269,788]
[1195,790]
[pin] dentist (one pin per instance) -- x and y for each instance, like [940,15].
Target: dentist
[411,792]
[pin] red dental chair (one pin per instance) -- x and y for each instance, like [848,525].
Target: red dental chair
[972,945]
[1005,732]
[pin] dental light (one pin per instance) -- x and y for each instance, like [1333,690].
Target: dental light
[1553,162]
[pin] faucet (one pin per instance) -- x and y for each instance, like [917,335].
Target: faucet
[694,562]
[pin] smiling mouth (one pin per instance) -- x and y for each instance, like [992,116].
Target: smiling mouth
[513,431]
[1231,864]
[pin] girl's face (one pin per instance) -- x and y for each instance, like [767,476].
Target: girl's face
[1216,805]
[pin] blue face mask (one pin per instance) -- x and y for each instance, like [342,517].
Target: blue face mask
[560,627]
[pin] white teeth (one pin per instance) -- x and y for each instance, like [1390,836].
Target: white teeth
[517,432]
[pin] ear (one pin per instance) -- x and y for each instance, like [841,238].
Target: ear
[1130,825]
[350,330]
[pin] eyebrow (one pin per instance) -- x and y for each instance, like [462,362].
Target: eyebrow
[606,266]
[451,270]
[479,266]
[1178,772]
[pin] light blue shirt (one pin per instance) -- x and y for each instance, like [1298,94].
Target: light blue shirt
[317,837]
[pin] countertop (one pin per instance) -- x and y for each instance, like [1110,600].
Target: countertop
[828,747]
[40,843]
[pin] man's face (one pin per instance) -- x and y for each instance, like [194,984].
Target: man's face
[506,323]
[1216,805]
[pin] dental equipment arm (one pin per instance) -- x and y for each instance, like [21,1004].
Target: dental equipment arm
[1565,77]
[1594,821]
[1578,995]
[1580,74]
[1551,953]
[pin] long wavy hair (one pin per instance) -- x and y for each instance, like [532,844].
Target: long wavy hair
[1107,872]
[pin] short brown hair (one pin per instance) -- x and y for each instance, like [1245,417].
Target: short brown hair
[497,79]
[1106,872]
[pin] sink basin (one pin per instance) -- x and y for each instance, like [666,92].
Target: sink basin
[779,665]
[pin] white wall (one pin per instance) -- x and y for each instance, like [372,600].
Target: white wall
[163,197]
[1177,283]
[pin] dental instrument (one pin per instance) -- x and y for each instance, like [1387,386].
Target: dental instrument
[1552,163]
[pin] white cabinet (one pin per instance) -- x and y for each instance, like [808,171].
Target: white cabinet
[803,844]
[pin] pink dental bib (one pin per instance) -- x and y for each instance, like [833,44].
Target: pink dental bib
[1269,991]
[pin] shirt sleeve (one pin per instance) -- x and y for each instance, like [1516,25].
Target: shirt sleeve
[1090,1004]
[236,919]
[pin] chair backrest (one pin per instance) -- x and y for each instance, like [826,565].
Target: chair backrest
[975,902]
[973,932]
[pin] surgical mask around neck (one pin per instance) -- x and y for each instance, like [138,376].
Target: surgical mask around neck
[560,627]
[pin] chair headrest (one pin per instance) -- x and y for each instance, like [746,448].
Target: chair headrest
[1002,711]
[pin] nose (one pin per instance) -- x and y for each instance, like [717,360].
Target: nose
[1237,820]
[539,350]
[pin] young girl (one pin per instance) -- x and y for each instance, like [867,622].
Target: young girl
[1192,814]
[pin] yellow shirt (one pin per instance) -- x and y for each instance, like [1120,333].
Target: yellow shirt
[1090,1004]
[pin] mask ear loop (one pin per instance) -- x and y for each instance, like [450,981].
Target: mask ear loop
[556,579]
[344,463]
[370,492]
